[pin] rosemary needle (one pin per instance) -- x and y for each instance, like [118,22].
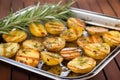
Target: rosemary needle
[38,13]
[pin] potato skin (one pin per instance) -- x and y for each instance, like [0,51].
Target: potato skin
[84,40]
[54,44]
[70,53]
[15,36]
[28,56]
[54,27]
[9,49]
[81,64]
[51,58]
[112,38]
[33,44]
[69,35]
[77,25]
[97,50]
[96,30]
[37,30]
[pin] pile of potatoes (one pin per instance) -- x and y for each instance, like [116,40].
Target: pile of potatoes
[52,49]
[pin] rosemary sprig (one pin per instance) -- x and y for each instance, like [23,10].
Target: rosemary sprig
[36,14]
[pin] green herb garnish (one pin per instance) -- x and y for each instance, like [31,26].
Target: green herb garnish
[36,14]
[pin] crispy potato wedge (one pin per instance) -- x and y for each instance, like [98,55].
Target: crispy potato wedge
[15,36]
[51,58]
[81,64]
[97,50]
[112,38]
[9,49]
[96,30]
[69,35]
[33,44]
[70,53]
[84,40]
[54,44]
[37,29]
[54,27]
[28,56]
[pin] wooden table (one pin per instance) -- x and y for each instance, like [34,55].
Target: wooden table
[109,7]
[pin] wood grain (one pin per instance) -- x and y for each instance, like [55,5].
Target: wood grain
[108,7]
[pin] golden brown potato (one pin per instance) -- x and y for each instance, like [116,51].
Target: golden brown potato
[77,25]
[112,38]
[54,27]
[54,44]
[28,56]
[9,49]
[57,69]
[69,35]
[37,29]
[70,53]
[97,50]
[33,44]
[84,40]
[51,58]
[81,64]
[15,36]
[96,30]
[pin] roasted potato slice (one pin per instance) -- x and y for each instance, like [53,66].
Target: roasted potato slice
[37,29]
[70,53]
[54,27]
[33,44]
[84,40]
[96,30]
[9,49]
[69,35]
[15,36]
[28,56]
[97,50]
[51,58]
[54,44]
[77,25]
[112,38]
[81,64]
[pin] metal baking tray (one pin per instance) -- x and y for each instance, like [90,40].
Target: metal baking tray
[89,17]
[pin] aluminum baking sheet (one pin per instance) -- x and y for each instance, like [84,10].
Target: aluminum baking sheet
[89,17]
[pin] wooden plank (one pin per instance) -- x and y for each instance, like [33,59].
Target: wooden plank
[99,76]
[83,4]
[34,76]
[74,5]
[16,5]
[105,7]
[94,6]
[5,71]
[4,8]
[115,5]
[19,74]
[28,2]
[112,71]
[117,58]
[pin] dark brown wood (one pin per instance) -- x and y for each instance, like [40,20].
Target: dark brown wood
[112,71]
[115,5]
[5,71]
[108,7]
[4,8]
[99,76]
[19,74]
[16,5]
